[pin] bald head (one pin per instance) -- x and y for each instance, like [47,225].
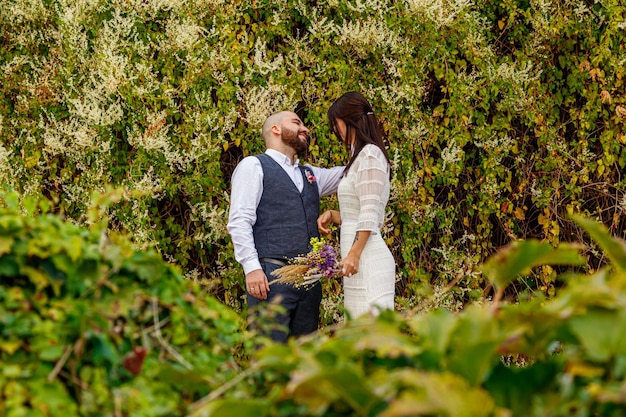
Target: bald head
[274,120]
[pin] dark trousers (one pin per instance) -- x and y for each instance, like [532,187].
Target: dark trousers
[301,309]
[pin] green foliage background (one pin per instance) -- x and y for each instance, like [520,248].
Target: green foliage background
[502,117]
[75,306]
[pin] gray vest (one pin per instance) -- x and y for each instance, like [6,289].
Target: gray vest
[286,219]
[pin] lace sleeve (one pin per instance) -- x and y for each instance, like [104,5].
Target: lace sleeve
[372,187]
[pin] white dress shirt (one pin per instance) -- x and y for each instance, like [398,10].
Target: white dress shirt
[247,188]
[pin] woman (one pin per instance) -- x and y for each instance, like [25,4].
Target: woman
[368,267]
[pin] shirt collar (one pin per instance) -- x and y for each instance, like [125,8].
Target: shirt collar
[281,158]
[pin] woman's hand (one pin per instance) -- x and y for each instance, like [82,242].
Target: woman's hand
[326,219]
[350,265]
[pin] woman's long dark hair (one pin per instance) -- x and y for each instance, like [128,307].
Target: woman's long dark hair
[357,113]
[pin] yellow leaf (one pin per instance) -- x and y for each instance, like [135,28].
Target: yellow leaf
[585,370]
[500,24]
[225,145]
[74,248]
[555,228]
[10,346]
[519,213]
[5,245]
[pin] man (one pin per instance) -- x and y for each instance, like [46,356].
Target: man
[273,215]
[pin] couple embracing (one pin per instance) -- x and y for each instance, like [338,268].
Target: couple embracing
[274,213]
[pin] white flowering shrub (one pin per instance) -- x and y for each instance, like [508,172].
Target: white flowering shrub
[502,118]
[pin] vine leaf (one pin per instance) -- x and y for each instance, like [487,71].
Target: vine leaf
[614,249]
[601,332]
[520,257]
[233,407]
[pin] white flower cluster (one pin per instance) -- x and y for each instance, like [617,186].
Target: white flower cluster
[363,36]
[71,138]
[398,186]
[213,221]
[517,77]
[5,165]
[496,146]
[15,64]
[261,62]
[181,34]
[94,107]
[149,185]
[150,8]
[422,213]
[320,26]
[155,139]
[20,12]
[543,14]
[622,203]
[490,187]
[455,262]
[368,5]
[451,154]
[416,134]
[441,12]
[395,95]
[261,101]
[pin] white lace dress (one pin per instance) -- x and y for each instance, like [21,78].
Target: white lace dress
[363,195]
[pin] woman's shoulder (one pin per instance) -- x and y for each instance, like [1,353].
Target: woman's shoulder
[371,156]
[372,151]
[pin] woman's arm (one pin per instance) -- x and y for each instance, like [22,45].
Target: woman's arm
[372,174]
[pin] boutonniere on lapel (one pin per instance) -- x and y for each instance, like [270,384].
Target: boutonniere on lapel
[309,176]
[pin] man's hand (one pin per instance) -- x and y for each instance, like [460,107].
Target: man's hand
[257,285]
[326,219]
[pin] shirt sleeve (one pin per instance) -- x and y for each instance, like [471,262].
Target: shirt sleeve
[371,176]
[328,179]
[246,191]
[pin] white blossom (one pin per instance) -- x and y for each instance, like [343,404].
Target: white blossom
[263,101]
[451,154]
[440,12]
[5,165]
[261,62]
[181,34]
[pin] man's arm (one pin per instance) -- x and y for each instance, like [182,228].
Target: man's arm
[246,191]
[328,179]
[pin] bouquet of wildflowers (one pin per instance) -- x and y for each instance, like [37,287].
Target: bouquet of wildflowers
[321,262]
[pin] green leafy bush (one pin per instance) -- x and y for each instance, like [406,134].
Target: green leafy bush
[92,327]
[559,357]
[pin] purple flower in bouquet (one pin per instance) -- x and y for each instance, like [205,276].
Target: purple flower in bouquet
[321,262]
[323,259]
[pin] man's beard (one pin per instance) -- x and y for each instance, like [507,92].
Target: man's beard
[291,139]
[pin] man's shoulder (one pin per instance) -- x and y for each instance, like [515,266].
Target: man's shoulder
[251,159]
[248,164]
